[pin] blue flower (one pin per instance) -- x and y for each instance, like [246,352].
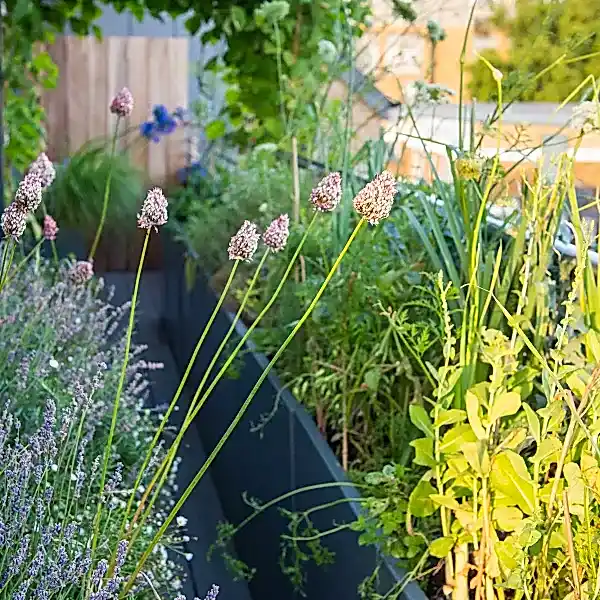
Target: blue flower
[147,129]
[161,114]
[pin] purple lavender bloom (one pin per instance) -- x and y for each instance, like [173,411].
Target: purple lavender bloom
[212,593]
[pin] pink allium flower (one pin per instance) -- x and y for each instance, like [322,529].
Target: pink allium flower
[81,272]
[244,243]
[43,169]
[14,221]
[29,193]
[328,193]
[374,202]
[154,210]
[50,228]
[122,103]
[277,233]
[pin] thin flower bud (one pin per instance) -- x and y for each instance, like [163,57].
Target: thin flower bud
[50,228]
[43,169]
[29,193]
[374,202]
[277,233]
[81,272]
[328,193]
[154,210]
[122,103]
[244,243]
[14,221]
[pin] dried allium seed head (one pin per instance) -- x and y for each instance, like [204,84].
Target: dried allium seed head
[50,228]
[244,243]
[154,210]
[81,272]
[122,103]
[277,233]
[374,202]
[328,193]
[43,169]
[29,193]
[14,221]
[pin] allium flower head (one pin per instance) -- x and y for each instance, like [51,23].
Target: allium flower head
[586,117]
[29,193]
[277,233]
[374,202]
[50,228]
[14,221]
[244,243]
[81,272]
[154,210]
[43,169]
[468,167]
[328,193]
[122,103]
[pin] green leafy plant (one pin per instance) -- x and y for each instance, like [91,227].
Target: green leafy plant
[76,197]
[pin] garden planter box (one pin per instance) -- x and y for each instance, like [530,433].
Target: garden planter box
[289,453]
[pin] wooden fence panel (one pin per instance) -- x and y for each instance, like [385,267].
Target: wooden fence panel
[154,69]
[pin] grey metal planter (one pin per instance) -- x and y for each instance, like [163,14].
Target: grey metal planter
[289,454]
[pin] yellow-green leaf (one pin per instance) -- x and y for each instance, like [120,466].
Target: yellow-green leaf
[504,405]
[576,487]
[420,419]
[547,451]
[477,457]
[441,547]
[449,417]
[472,402]
[508,518]
[446,501]
[454,438]
[423,452]
[534,422]
[420,503]
[510,476]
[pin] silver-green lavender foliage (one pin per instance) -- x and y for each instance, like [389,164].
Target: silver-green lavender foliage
[61,348]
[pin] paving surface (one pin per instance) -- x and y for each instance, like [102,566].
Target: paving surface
[203,508]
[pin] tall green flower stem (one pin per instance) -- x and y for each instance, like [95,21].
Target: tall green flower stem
[196,405]
[23,262]
[8,251]
[106,192]
[111,433]
[242,410]
[179,391]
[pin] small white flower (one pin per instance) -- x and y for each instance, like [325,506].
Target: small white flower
[181,521]
[185,538]
[188,556]
[73,477]
[54,468]
[54,363]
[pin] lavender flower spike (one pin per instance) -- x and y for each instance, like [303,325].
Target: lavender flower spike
[122,103]
[212,593]
[42,169]
[50,228]
[374,202]
[29,192]
[244,243]
[328,193]
[277,233]
[14,221]
[81,272]
[154,210]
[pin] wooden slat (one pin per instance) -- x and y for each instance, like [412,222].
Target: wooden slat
[98,110]
[159,82]
[55,104]
[137,58]
[178,86]
[77,82]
